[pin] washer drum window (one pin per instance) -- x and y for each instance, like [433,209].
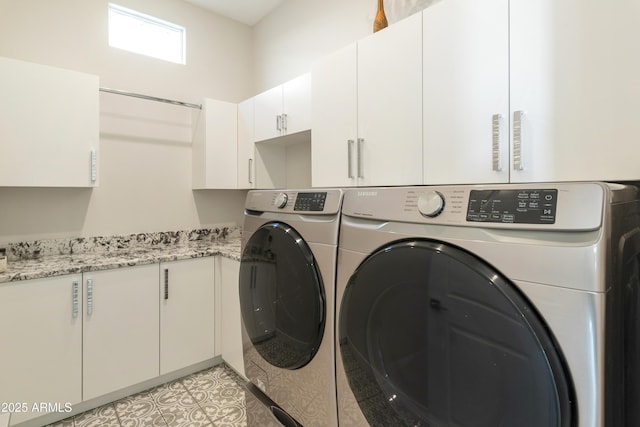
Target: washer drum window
[282,296]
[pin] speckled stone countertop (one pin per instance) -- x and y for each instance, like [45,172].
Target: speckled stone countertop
[46,258]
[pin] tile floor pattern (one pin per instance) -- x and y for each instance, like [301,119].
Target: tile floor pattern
[215,397]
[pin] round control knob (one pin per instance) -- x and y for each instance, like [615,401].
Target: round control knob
[281,200]
[431,203]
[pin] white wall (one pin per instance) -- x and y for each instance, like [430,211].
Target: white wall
[145,152]
[297,33]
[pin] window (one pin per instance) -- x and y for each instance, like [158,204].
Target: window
[146,35]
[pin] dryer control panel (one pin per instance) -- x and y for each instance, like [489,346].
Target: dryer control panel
[531,206]
[520,206]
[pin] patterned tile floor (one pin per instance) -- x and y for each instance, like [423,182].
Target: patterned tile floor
[215,397]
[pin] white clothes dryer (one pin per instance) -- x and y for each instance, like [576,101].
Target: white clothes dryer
[485,306]
[287,299]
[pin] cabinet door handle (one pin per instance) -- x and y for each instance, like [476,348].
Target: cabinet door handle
[250,168]
[518,162]
[360,158]
[94,165]
[166,283]
[496,149]
[74,299]
[350,146]
[284,122]
[89,297]
[279,122]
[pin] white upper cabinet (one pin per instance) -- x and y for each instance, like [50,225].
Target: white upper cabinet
[49,126]
[367,110]
[466,92]
[284,109]
[334,105]
[246,148]
[530,91]
[390,105]
[215,146]
[575,92]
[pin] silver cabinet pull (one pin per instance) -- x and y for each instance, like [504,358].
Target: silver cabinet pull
[89,297]
[360,158]
[350,146]
[94,165]
[518,163]
[496,149]
[166,283]
[74,299]
[284,122]
[279,122]
[250,167]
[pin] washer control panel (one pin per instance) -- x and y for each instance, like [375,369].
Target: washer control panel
[310,202]
[520,206]
[302,202]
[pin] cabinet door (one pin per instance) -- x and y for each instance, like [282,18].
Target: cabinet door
[41,340]
[48,126]
[390,105]
[334,104]
[466,92]
[246,158]
[186,313]
[296,104]
[120,336]
[267,112]
[231,317]
[574,82]
[215,146]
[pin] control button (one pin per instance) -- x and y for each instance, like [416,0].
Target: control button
[431,203]
[281,200]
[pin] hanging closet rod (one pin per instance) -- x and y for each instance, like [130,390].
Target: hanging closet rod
[150,98]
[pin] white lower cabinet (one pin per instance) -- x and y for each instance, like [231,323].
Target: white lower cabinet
[40,345]
[120,335]
[230,314]
[69,339]
[186,313]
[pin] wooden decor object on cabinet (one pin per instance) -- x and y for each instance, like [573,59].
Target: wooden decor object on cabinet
[120,335]
[186,313]
[41,336]
[367,110]
[284,109]
[49,126]
[215,146]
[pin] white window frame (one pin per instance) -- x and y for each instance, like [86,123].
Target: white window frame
[139,40]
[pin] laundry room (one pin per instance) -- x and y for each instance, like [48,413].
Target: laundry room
[319,213]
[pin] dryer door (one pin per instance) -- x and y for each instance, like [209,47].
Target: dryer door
[431,335]
[282,297]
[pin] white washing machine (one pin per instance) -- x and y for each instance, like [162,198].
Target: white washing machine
[486,306]
[287,299]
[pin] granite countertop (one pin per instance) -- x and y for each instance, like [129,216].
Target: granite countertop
[25,267]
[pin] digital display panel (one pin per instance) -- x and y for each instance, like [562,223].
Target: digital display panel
[310,202]
[513,206]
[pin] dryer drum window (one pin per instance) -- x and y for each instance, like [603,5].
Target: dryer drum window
[431,335]
[282,296]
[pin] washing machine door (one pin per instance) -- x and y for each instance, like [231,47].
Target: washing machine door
[431,335]
[282,296]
